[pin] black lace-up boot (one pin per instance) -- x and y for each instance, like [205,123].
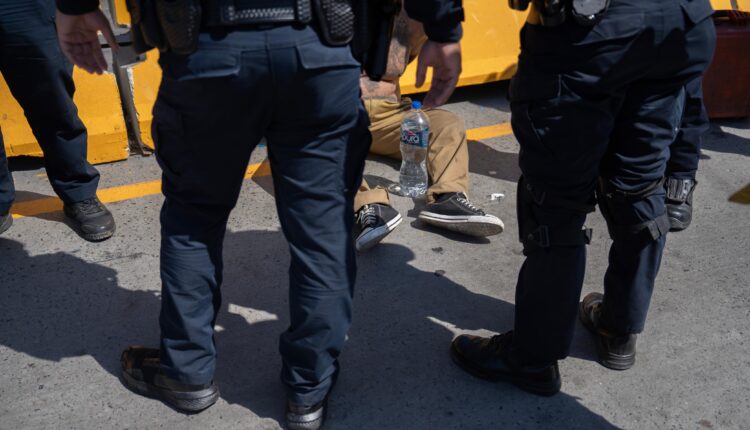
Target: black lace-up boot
[490,358]
[90,219]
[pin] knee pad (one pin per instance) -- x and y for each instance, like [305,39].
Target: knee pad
[535,235]
[612,201]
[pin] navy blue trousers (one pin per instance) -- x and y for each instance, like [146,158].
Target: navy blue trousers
[213,108]
[39,77]
[593,104]
[685,151]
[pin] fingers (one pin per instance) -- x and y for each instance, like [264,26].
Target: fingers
[109,36]
[440,91]
[422,63]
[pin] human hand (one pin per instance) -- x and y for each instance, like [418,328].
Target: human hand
[445,60]
[79,39]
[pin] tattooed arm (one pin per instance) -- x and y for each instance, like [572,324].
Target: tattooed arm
[408,37]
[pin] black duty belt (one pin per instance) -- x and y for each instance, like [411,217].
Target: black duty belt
[230,13]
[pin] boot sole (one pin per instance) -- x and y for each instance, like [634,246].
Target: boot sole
[314,424]
[91,237]
[476,226]
[375,236]
[545,390]
[190,402]
[603,357]
[676,225]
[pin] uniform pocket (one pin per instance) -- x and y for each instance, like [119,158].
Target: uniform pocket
[315,55]
[168,132]
[204,63]
[697,10]
[613,26]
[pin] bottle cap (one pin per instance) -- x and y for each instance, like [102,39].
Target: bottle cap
[416,104]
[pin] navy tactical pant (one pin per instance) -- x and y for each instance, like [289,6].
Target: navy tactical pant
[685,151]
[213,108]
[39,77]
[598,107]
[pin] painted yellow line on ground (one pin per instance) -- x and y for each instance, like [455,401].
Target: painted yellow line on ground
[115,194]
[142,189]
[741,196]
[496,130]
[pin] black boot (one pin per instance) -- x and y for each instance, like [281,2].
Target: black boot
[90,219]
[679,202]
[5,222]
[614,351]
[490,359]
[141,373]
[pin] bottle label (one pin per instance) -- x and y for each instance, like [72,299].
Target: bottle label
[416,138]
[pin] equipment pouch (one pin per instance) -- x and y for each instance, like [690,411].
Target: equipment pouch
[589,12]
[336,19]
[147,33]
[372,36]
[180,23]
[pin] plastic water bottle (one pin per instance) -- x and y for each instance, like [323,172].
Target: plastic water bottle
[415,134]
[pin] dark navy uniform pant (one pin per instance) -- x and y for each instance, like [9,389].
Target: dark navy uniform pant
[213,108]
[686,150]
[595,111]
[39,77]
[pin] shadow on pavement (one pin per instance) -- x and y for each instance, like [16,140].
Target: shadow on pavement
[56,306]
[719,140]
[396,370]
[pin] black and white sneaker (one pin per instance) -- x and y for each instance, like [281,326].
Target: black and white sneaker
[454,211]
[374,222]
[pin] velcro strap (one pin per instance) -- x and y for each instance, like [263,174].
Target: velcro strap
[679,189]
[544,237]
[656,228]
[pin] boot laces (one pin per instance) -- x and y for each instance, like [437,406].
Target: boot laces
[500,342]
[90,206]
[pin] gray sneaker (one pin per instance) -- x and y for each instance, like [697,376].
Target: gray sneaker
[454,211]
[374,222]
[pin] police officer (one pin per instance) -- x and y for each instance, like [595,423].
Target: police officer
[596,102]
[40,79]
[684,155]
[278,80]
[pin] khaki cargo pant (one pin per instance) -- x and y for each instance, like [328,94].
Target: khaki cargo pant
[447,156]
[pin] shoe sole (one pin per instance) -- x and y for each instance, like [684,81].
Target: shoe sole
[314,424]
[476,226]
[6,225]
[91,237]
[606,359]
[190,402]
[676,225]
[545,390]
[375,236]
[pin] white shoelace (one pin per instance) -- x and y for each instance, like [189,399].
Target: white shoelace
[367,216]
[466,203]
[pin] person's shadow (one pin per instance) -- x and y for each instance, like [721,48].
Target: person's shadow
[57,306]
[396,370]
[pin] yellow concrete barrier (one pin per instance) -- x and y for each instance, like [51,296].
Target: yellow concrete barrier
[98,102]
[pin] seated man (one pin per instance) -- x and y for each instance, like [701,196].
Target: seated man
[447,158]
